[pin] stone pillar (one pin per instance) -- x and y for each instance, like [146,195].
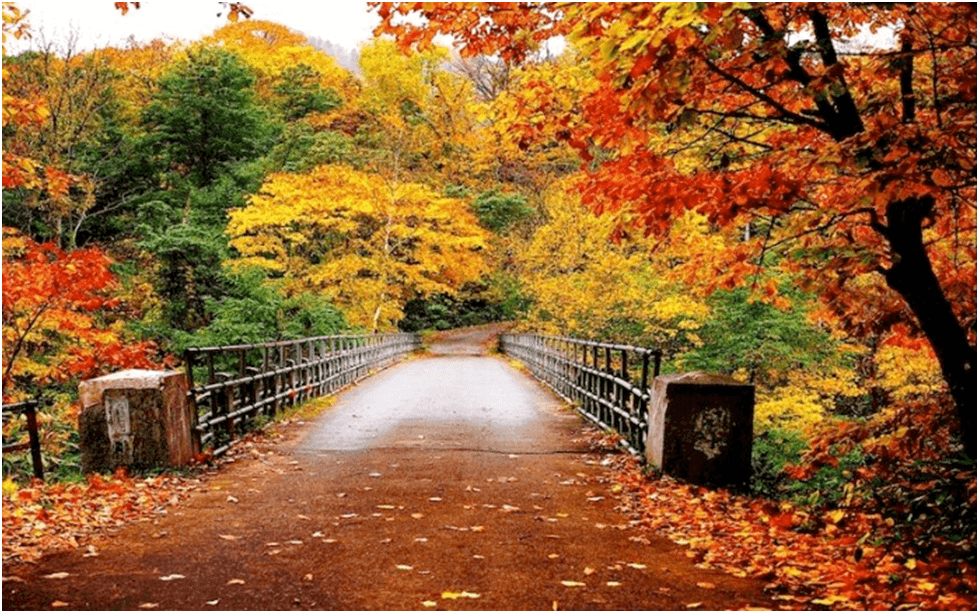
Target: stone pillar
[135,418]
[700,428]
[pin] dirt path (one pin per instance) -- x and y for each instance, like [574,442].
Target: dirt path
[446,482]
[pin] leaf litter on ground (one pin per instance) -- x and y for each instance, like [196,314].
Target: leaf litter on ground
[837,561]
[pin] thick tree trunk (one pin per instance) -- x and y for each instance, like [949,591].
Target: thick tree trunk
[912,276]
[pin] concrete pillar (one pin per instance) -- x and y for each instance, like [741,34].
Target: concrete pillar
[135,418]
[700,428]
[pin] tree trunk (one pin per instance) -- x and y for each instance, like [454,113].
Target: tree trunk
[912,276]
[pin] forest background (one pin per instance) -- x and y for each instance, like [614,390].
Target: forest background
[245,187]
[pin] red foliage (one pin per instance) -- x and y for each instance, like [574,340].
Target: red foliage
[58,316]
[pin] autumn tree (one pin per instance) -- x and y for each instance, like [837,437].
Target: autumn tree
[858,158]
[290,72]
[57,316]
[369,244]
[423,118]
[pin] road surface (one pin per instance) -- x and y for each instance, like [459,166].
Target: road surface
[449,481]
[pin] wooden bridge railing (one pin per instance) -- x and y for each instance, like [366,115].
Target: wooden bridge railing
[29,409]
[609,383]
[241,383]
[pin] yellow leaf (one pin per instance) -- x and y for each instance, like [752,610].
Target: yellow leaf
[458,595]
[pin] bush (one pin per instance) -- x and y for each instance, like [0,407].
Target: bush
[771,452]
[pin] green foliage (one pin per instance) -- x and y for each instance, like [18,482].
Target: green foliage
[205,118]
[757,338]
[771,451]
[442,312]
[301,92]
[254,312]
[190,257]
[830,485]
[827,487]
[300,149]
[500,212]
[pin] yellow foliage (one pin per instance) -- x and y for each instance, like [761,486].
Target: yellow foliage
[584,284]
[270,49]
[369,244]
[805,400]
[906,372]
[426,114]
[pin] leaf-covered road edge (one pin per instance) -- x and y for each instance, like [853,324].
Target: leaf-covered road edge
[828,562]
[45,517]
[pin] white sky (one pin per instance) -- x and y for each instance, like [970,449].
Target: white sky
[99,24]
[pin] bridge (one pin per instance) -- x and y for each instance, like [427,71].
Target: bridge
[451,480]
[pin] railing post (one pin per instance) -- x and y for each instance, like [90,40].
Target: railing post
[34,438]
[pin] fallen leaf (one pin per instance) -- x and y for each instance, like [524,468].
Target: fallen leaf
[573,583]
[694,605]
[612,583]
[232,499]
[458,595]
[235,582]
[296,542]
[172,577]
[308,577]
[553,556]
[404,567]
[149,605]
[385,506]
[429,603]
[707,585]
[636,565]
[228,537]
[304,517]
[61,575]
[435,499]
[213,602]
[59,604]
[589,571]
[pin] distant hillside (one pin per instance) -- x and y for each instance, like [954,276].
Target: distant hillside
[348,58]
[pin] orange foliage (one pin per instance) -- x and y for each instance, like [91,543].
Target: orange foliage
[52,302]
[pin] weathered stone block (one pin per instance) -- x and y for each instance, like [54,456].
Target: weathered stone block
[137,419]
[700,428]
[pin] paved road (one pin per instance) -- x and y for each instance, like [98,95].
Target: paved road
[445,482]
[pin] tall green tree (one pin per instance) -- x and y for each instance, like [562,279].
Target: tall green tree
[205,118]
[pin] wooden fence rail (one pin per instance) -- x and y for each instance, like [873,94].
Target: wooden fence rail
[29,409]
[242,383]
[608,383]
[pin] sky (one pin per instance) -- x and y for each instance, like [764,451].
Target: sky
[99,24]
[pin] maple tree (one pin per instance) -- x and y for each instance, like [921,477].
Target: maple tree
[858,159]
[52,331]
[369,243]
